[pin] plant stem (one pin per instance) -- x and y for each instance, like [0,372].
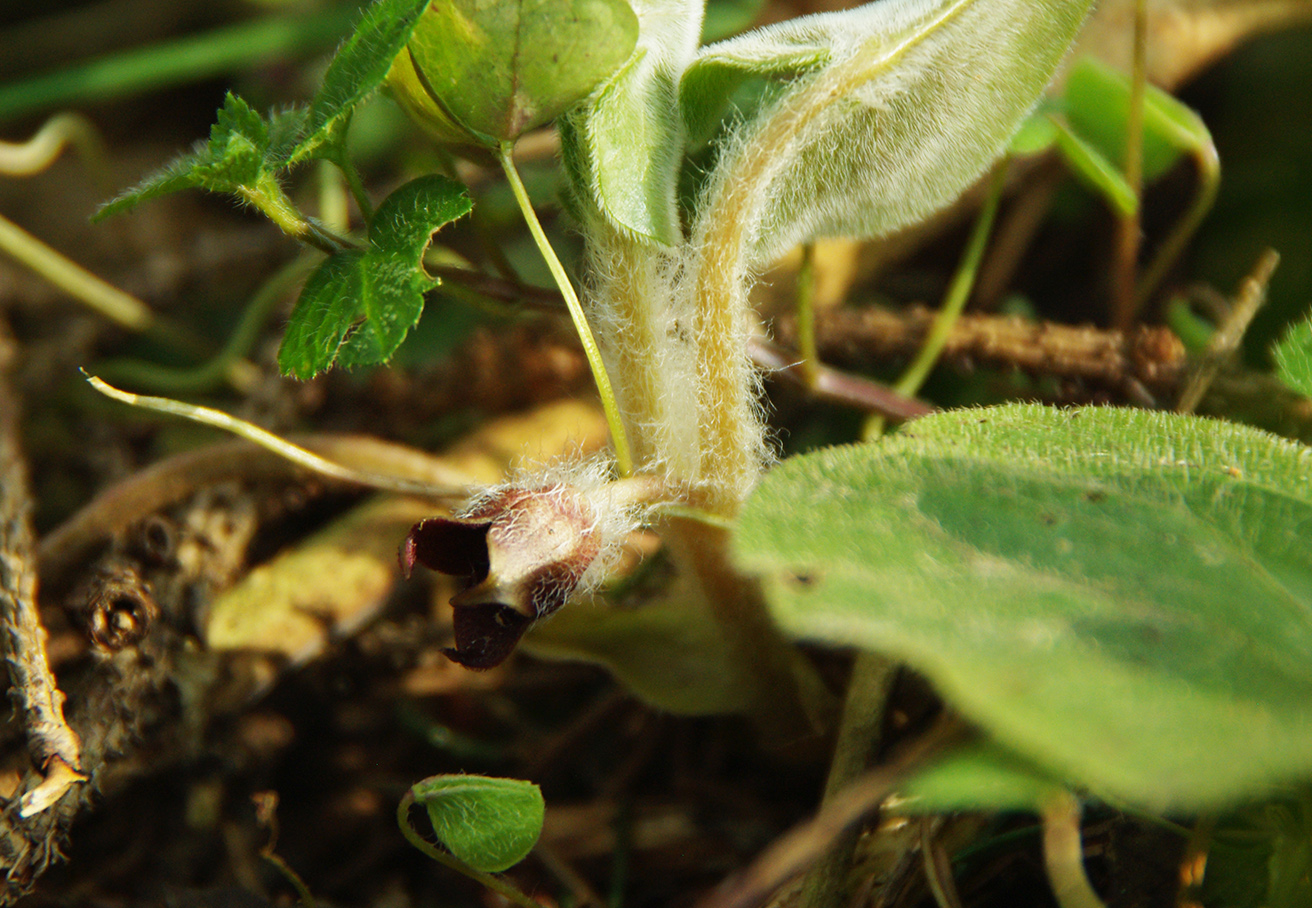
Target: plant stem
[788,704]
[958,291]
[1230,334]
[268,196]
[1063,853]
[229,364]
[623,459]
[1208,165]
[805,309]
[858,740]
[458,489]
[495,883]
[96,294]
[1129,227]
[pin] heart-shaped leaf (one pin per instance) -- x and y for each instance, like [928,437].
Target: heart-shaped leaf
[1110,593]
[490,824]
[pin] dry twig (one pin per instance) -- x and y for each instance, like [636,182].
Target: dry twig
[54,746]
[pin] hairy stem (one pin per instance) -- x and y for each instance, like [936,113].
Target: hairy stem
[619,437]
[1063,853]
[268,197]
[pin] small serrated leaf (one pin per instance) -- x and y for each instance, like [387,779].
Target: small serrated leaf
[1293,355]
[358,306]
[242,150]
[328,308]
[409,216]
[357,71]
[490,824]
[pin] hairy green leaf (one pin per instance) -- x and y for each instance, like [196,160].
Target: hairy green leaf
[357,71]
[1293,355]
[1108,592]
[237,155]
[358,306]
[626,144]
[490,824]
[897,107]
[486,72]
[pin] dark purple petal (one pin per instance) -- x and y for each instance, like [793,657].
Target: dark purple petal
[486,634]
[455,547]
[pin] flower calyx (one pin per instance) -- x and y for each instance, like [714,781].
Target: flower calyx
[521,552]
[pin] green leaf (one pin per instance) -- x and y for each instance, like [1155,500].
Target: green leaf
[1109,593]
[980,776]
[1037,134]
[359,68]
[897,108]
[626,145]
[1093,169]
[1293,355]
[1098,105]
[666,651]
[358,306]
[494,70]
[235,156]
[778,52]
[1260,856]
[490,824]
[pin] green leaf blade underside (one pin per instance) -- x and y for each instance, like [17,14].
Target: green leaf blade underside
[913,101]
[1109,593]
[1293,356]
[489,823]
[497,70]
[358,306]
[626,143]
[357,70]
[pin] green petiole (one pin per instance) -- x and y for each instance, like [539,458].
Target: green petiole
[623,457]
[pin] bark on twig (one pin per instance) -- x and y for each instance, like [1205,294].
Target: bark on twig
[1151,356]
[54,746]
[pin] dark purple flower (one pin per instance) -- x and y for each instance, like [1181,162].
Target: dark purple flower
[521,553]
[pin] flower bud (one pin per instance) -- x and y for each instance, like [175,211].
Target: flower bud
[521,552]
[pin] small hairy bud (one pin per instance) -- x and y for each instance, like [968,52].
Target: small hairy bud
[521,550]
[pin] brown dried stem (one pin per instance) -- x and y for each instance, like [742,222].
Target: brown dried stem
[56,749]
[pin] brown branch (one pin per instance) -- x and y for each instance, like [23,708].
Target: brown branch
[858,338]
